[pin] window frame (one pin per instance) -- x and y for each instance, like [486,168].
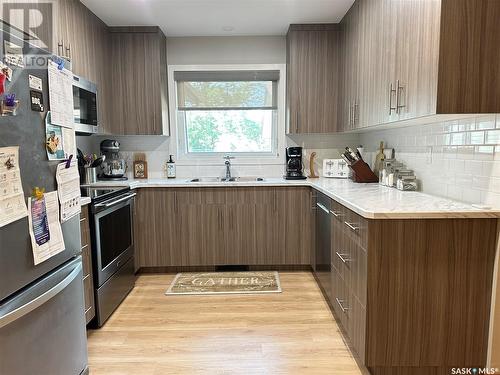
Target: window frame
[178,136]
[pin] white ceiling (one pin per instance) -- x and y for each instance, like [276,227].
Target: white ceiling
[218,17]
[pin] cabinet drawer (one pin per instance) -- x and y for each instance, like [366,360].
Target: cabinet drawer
[341,249]
[88,292]
[340,299]
[357,326]
[358,272]
[337,211]
[86,261]
[84,227]
[356,227]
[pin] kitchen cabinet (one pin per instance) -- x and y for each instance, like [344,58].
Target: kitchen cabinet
[76,34]
[349,102]
[313,58]
[403,60]
[138,78]
[223,226]
[88,281]
[412,296]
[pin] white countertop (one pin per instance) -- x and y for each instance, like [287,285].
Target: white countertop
[84,201]
[372,201]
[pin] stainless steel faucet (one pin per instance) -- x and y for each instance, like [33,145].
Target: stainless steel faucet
[227,162]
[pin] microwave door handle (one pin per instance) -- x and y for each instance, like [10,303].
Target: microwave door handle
[117,201]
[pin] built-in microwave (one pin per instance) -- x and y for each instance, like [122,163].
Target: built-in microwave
[85,106]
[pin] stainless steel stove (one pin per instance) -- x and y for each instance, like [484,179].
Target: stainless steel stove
[112,212]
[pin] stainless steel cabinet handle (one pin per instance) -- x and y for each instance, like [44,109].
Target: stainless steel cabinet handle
[41,299]
[60,48]
[392,92]
[351,226]
[117,201]
[340,302]
[400,89]
[354,114]
[349,114]
[68,52]
[341,256]
[336,214]
[323,207]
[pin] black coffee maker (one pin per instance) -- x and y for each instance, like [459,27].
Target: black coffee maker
[294,167]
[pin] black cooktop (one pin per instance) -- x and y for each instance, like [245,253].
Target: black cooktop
[99,194]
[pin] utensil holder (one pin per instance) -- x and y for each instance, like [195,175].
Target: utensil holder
[90,176]
[361,172]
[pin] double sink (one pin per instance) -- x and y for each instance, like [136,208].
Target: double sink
[222,179]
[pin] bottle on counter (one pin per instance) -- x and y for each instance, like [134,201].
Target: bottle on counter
[170,167]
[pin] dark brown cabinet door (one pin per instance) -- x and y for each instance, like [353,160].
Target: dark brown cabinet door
[240,226]
[267,224]
[313,73]
[138,78]
[223,226]
[294,225]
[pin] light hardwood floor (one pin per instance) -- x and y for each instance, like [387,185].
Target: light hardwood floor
[292,332]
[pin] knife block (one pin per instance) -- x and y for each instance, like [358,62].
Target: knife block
[361,172]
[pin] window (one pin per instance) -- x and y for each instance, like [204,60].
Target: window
[227,112]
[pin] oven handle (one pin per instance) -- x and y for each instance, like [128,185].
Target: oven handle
[106,205]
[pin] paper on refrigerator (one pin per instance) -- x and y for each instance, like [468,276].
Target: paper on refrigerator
[12,203]
[68,190]
[55,243]
[60,95]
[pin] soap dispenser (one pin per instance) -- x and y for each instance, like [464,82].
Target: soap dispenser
[170,167]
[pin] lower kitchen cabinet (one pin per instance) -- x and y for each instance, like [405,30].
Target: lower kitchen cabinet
[88,282]
[413,296]
[223,226]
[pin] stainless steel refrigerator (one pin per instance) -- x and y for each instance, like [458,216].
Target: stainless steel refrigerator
[42,323]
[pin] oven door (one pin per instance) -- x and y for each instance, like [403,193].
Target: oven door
[85,106]
[113,234]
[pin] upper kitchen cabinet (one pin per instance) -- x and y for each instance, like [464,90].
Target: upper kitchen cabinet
[138,81]
[348,100]
[418,58]
[312,78]
[469,69]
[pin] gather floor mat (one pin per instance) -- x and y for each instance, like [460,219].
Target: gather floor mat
[225,283]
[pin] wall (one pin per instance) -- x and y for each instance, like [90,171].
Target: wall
[226,50]
[458,159]
[157,150]
[220,50]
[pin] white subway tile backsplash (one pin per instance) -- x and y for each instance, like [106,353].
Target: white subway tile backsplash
[480,182]
[456,159]
[484,152]
[485,122]
[492,137]
[476,138]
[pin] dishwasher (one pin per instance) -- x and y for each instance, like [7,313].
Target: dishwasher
[322,266]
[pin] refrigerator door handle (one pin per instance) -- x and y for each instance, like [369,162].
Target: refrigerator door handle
[19,312]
